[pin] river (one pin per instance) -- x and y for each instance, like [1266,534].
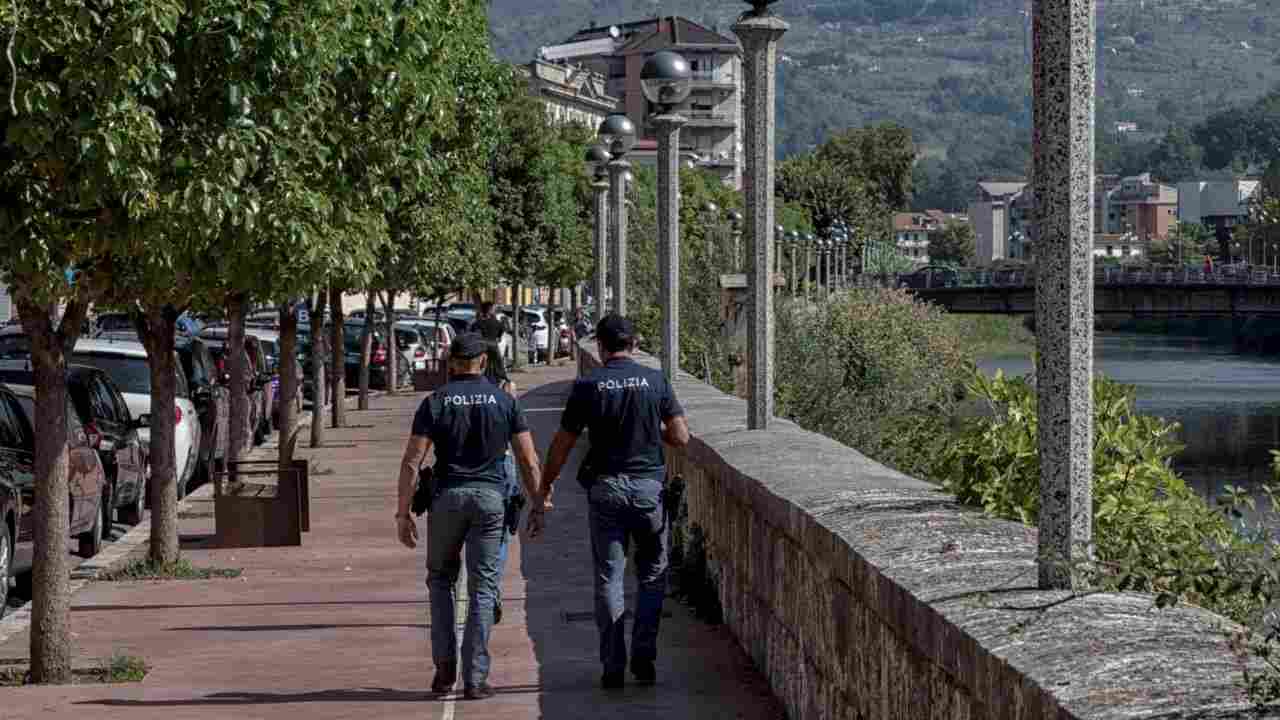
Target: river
[1228,404]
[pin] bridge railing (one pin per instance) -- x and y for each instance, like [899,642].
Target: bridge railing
[1026,278]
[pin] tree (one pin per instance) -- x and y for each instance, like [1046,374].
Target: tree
[830,194]
[77,178]
[882,156]
[954,244]
[1176,158]
[1187,243]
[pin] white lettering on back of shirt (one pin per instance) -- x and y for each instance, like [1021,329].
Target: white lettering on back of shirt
[630,383]
[470,400]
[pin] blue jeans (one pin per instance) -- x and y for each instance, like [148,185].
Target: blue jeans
[470,516]
[624,509]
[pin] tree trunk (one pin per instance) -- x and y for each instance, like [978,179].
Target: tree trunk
[393,347]
[338,357]
[318,384]
[288,380]
[516,297]
[366,350]
[50,643]
[160,323]
[241,434]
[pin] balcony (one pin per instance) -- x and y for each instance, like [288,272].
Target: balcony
[710,118]
[709,80]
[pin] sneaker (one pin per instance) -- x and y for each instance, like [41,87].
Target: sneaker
[478,692]
[644,672]
[446,677]
[613,680]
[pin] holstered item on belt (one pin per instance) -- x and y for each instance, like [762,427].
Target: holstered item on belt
[514,507]
[672,498]
[425,492]
[587,475]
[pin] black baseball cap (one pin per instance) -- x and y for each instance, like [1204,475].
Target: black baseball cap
[615,331]
[468,345]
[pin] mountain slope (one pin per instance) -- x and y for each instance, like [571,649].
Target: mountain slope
[957,71]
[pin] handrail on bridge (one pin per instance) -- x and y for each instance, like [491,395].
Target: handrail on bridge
[941,278]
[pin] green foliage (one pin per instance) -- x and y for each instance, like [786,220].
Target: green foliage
[182,569]
[536,190]
[1152,533]
[954,244]
[1187,244]
[875,369]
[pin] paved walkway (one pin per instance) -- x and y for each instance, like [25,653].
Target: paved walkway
[338,627]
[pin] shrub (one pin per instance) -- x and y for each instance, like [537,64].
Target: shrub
[1151,531]
[875,369]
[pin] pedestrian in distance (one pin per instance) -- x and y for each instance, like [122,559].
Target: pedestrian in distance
[539,342]
[630,412]
[470,423]
[491,329]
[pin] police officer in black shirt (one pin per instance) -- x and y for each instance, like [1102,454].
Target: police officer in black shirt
[630,411]
[469,422]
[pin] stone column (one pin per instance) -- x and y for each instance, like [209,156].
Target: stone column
[759,33]
[808,268]
[618,232]
[667,126]
[1062,155]
[600,235]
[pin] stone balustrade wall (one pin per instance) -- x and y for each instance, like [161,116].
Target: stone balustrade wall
[862,593]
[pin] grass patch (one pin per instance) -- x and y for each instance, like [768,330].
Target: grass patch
[179,570]
[995,336]
[118,668]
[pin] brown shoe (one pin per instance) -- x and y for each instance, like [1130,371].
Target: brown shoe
[478,692]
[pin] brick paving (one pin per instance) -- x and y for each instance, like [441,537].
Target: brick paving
[338,628]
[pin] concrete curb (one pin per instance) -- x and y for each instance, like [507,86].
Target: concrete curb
[134,544]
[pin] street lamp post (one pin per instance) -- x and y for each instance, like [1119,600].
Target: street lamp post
[809,248]
[735,226]
[711,210]
[759,32]
[779,237]
[619,134]
[793,238]
[666,81]
[597,163]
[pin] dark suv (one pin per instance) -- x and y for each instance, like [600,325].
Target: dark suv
[931,276]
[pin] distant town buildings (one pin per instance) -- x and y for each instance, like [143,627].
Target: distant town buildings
[572,93]
[1000,215]
[713,137]
[914,232]
[1141,206]
[1216,204]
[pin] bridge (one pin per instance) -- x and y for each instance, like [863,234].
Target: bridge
[1116,291]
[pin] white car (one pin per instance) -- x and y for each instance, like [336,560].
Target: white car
[126,364]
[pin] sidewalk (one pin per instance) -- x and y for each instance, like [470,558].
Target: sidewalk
[337,628]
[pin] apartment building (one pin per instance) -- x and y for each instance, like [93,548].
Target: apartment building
[712,139]
[1140,206]
[913,232]
[1000,213]
[1216,204]
[572,93]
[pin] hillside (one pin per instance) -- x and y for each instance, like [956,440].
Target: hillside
[957,71]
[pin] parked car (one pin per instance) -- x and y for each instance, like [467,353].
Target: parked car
[126,364]
[351,335]
[270,342]
[110,428]
[930,276]
[259,382]
[212,399]
[10,511]
[89,507]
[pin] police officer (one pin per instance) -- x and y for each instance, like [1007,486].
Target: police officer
[630,411]
[470,422]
